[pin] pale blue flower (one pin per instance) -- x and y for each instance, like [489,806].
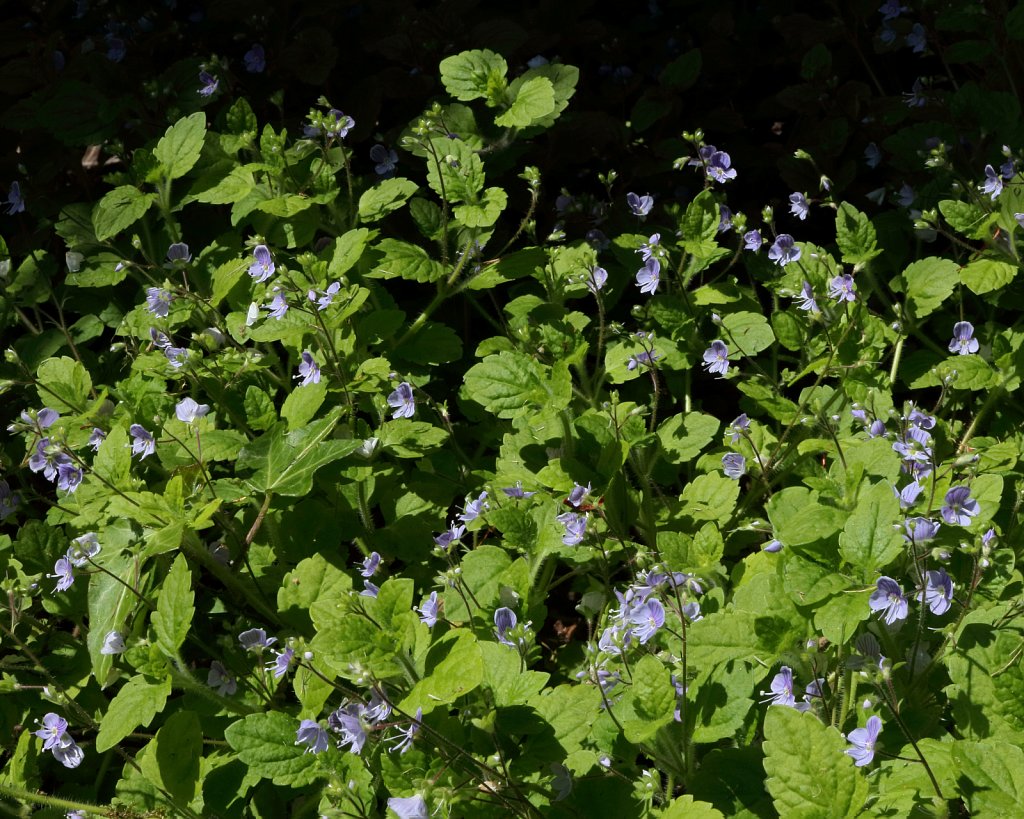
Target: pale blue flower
[262,267]
[716,358]
[639,205]
[783,250]
[402,401]
[798,206]
[862,742]
[963,341]
[312,735]
[889,599]
[937,592]
[188,411]
[649,276]
[143,442]
[309,370]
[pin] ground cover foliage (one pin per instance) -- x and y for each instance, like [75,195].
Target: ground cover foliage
[487,411]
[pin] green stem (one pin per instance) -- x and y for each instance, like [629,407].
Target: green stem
[26,797]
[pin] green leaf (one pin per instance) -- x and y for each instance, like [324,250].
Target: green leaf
[346,640]
[987,689]
[459,168]
[710,497]
[165,539]
[285,206]
[173,756]
[722,703]
[569,710]
[798,519]
[808,583]
[314,579]
[174,608]
[482,570]
[113,461]
[508,383]
[241,119]
[516,265]
[788,329]
[110,603]
[928,283]
[225,277]
[301,405]
[684,436]
[232,188]
[748,333]
[385,197]
[119,208]
[454,667]
[967,372]
[995,777]
[967,218]
[474,74]
[63,384]
[259,408]
[684,807]
[179,148]
[406,261]
[266,743]
[723,637]
[855,235]
[485,212]
[652,700]
[870,541]
[839,618]
[809,776]
[347,249]
[139,700]
[535,99]
[405,438]
[986,275]
[503,674]
[99,270]
[286,461]
[700,223]
[563,79]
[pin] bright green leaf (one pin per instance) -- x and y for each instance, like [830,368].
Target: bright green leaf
[285,461]
[406,261]
[684,436]
[986,275]
[995,774]
[535,99]
[266,743]
[809,776]
[473,75]
[119,209]
[870,541]
[747,333]
[174,610]
[179,148]
[139,700]
[928,283]
[855,235]
[385,197]
[301,405]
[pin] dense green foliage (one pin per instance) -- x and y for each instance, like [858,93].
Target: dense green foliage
[494,444]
